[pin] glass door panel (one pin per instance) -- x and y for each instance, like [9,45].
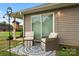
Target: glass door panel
[46,25]
[36,26]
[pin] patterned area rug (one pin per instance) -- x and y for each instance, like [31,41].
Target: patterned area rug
[32,51]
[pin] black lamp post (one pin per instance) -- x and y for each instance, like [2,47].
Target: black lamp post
[9,11]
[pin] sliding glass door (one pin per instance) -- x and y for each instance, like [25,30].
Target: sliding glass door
[42,25]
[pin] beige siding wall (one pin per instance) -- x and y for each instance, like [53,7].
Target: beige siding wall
[67,26]
[27,23]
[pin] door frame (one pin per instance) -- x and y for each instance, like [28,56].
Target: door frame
[53,21]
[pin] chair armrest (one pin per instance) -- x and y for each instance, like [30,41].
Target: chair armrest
[43,40]
[28,38]
[49,44]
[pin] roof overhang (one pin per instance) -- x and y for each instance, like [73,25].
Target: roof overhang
[49,6]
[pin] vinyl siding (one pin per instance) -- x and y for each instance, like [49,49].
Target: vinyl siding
[67,26]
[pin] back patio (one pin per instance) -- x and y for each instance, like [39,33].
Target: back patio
[48,23]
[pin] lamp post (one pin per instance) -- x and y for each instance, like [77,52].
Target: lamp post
[9,11]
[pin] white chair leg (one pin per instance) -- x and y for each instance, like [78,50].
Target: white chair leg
[31,43]
[26,43]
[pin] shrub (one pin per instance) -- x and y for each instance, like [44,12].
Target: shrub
[68,51]
[10,37]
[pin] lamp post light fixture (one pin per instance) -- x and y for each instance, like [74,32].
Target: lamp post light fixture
[9,11]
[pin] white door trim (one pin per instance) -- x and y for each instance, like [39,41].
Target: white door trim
[53,22]
[41,24]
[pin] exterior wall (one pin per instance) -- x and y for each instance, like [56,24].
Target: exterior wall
[67,26]
[27,23]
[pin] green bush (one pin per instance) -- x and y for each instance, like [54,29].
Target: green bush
[10,37]
[77,51]
[68,52]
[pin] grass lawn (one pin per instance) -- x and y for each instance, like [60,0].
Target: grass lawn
[4,45]
[4,35]
[6,53]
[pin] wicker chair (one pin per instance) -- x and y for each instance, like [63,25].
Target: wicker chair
[28,40]
[50,43]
